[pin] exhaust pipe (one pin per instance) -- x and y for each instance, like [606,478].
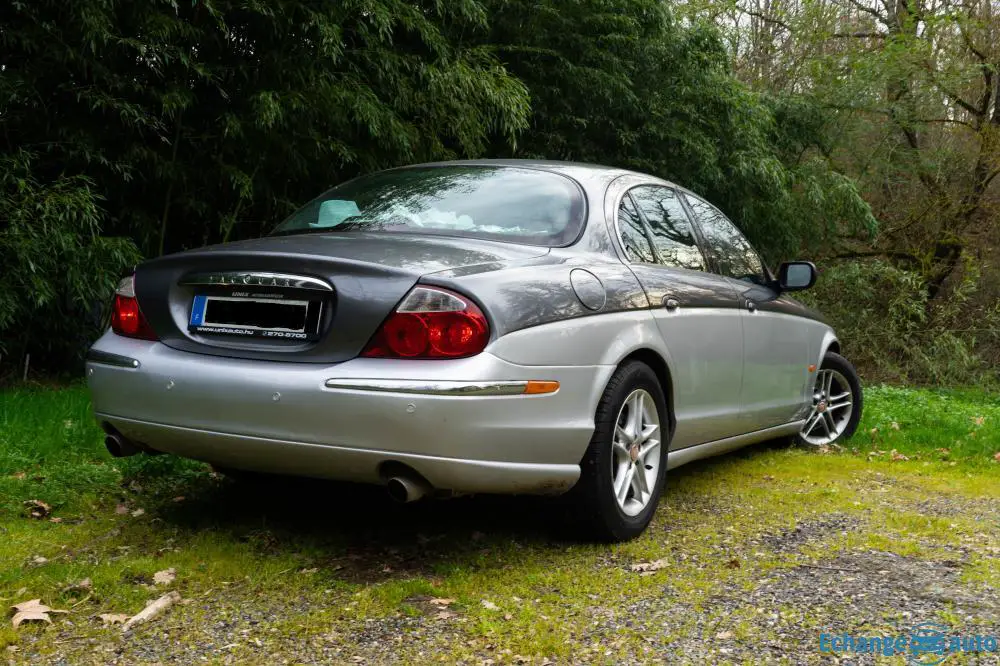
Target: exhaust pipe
[407,488]
[118,446]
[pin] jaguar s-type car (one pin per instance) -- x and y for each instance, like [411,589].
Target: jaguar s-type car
[476,327]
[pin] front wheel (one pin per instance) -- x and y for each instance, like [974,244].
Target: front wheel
[836,403]
[623,471]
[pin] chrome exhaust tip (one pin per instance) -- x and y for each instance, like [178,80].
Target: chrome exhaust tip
[406,489]
[118,446]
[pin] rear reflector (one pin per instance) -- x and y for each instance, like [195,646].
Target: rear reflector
[126,318]
[431,323]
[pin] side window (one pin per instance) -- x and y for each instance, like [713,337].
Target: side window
[733,253]
[671,228]
[633,235]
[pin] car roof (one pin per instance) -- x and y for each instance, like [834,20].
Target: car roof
[576,170]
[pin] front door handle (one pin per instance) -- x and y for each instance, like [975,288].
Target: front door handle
[751,306]
[671,303]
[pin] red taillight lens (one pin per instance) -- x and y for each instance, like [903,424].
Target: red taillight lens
[431,323]
[126,317]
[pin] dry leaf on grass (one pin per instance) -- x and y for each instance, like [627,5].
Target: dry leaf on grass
[996,456]
[489,605]
[78,586]
[138,512]
[724,635]
[733,564]
[152,610]
[648,567]
[18,475]
[121,509]
[445,615]
[38,559]
[979,420]
[32,611]
[442,602]
[896,455]
[165,577]
[113,618]
[37,509]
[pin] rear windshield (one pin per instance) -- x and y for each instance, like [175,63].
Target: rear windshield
[512,204]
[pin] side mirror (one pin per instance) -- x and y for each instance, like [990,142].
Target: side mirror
[796,275]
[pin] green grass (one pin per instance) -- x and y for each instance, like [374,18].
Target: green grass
[310,568]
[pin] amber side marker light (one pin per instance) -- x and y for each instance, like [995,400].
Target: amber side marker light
[812,368]
[539,387]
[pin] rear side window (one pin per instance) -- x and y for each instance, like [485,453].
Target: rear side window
[733,254]
[633,235]
[673,237]
[513,204]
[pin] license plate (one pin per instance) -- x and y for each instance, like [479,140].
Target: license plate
[254,317]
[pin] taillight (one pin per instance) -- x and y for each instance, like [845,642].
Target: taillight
[126,317]
[431,323]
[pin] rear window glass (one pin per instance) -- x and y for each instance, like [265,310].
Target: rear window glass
[513,204]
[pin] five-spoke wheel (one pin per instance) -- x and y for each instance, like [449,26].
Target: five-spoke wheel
[636,462]
[622,473]
[836,403]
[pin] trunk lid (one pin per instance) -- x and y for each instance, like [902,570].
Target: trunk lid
[351,281]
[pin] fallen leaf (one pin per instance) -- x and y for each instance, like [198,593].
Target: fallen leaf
[723,635]
[655,565]
[508,616]
[113,618]
[996,456]
[896,455]
[37,508]
[489,605]
[38,559]
[308,571]
[84,584]
[979,420]
[442,602]
[55,520]
[121,509]
[944,451]
[29,616]
[894,425]
[733,564]
[444,615]
[179,498]
[32,610]
[138,512]
[165,577]
[152,610]
[18,475]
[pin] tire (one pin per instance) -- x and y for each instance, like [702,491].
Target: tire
[599,513]
[836,421]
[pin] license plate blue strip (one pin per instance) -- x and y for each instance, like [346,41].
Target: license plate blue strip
[198,310]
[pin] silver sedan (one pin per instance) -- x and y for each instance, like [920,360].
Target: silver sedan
[476,327]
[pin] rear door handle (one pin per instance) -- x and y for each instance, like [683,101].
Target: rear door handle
[671,303]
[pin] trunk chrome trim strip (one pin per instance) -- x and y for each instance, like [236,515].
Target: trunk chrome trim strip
[446,388]
[255,279]
[107,358]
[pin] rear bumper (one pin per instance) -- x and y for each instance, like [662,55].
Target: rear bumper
[455,422]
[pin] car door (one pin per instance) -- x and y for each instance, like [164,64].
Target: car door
[775,341]
[696,313]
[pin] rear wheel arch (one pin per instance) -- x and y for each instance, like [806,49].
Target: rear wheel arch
[660,368]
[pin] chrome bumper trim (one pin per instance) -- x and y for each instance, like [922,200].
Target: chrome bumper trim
[107,358]
[447,388]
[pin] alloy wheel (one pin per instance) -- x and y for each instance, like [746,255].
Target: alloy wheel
[833,405]
[635,464]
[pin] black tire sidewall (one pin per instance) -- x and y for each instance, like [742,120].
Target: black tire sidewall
[596,486]
[834,361]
